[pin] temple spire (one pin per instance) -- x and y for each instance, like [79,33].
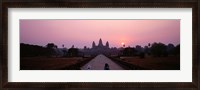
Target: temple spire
[107,44]
[100,42]
[93,44]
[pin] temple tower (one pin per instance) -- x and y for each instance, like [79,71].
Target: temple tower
[93,44]
[100,43]
[107,44]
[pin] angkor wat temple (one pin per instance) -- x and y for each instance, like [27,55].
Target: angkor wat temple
[100,49]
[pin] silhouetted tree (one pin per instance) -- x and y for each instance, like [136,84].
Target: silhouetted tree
[139,48]
[72,46]
[51,49]
[123,45]
[158,49]
[73,52]
[149,44]
[177,50]
[147,50]
[27,50]
[170,49]
[85,47]
[51,45]
[129,51]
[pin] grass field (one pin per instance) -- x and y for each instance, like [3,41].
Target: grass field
[155,63]
[47,63]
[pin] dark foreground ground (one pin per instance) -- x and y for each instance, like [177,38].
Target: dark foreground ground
[52,63]
[151,63]
[75,63]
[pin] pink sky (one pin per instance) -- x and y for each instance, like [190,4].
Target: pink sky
[82,33]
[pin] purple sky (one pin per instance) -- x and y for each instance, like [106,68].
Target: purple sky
[82,33]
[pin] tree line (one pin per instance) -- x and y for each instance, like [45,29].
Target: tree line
[27,50]
[155,50]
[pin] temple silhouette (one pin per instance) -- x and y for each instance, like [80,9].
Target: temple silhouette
[100,48]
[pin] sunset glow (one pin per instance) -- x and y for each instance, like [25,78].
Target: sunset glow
[122,43]
[82,33]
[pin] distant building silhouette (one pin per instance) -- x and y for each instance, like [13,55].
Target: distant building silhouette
[100,45]
[100,48]
[93,45]
[107,44]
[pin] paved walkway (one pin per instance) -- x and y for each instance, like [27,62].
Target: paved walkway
[98,63]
